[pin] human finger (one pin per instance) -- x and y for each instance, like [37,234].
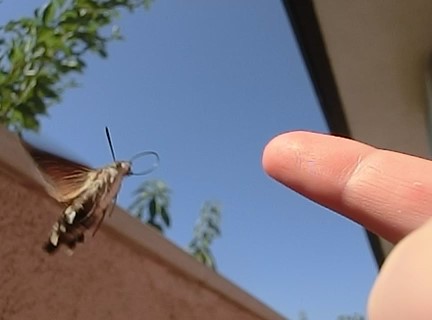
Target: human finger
[404,285]
[389,193]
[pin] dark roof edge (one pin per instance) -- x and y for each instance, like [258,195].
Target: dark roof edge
[306,28]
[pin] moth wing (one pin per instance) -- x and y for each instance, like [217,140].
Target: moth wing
[64,179]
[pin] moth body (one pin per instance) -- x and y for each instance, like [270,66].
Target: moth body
[87,209]
[86,194]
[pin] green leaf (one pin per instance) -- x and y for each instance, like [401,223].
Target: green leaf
[46,91]
[26,119]
[31,123]
[59,3]
[152,208]
[45,48]
[214,227]
[204,256]
[48,13]
[16,53]
[103,53]
[165,216]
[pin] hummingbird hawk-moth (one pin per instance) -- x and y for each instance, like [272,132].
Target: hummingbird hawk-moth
[86,194]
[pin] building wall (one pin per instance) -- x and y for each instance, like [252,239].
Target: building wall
[380,66]
[127,271]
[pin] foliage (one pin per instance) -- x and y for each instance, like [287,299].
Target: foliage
[206,229]
[38,56]
[38,53]
[151,204]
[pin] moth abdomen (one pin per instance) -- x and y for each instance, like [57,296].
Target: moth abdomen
[69,232]
[49,247]
[70,238]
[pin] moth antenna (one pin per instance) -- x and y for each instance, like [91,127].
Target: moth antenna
[142,155]
[108,135]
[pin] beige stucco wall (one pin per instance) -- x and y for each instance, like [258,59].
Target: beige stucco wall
[128,271]
[380,54]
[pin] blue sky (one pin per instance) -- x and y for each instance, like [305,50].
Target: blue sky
[207,85]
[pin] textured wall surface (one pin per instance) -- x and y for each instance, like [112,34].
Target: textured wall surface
[106,278]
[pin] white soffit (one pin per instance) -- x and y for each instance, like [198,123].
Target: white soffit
[379,52]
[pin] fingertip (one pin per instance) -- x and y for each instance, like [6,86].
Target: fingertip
[271,153]
[280,151]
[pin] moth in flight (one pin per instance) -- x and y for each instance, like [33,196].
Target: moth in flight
[86,194]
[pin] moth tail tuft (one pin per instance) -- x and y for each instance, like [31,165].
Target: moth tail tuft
[49,247]
[65,234]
